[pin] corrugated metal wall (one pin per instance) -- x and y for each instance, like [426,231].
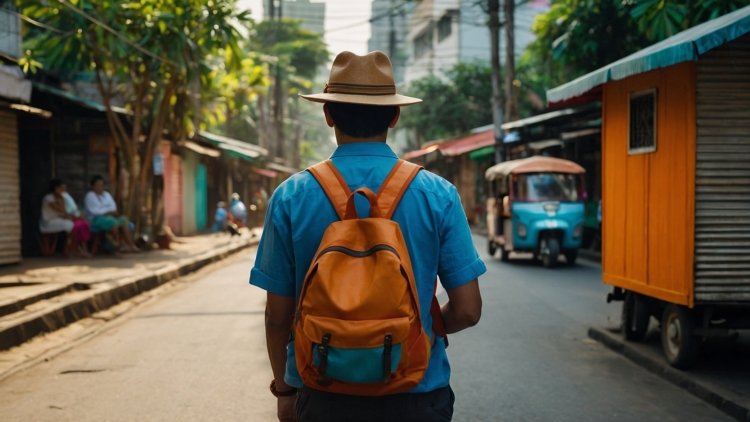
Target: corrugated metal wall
[722,203]
[10,224]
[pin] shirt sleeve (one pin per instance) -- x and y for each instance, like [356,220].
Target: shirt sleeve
[459,261]
[109,203]
[274,269]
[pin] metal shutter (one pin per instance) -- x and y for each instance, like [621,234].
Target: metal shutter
[722,201]
[10,200]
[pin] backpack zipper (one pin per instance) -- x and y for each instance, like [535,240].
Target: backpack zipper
[359,254]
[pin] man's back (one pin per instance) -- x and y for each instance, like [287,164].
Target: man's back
[430,216]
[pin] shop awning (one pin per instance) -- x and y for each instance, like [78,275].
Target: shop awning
[200,149]
[282,168]
[482,153]
[685,46]
[420,152]
[85,102]
[235,147]
[539,118]
[265,172]
[469,143]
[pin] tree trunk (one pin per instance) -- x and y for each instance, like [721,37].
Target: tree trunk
[511,91]
[497,104]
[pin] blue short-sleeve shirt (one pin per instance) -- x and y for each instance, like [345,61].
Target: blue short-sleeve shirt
[431,218]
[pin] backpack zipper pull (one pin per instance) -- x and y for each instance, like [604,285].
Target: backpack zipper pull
[323,353]
[387,346]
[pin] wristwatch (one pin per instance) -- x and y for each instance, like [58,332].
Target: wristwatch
[278,393]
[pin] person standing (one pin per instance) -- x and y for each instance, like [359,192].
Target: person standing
[360,103]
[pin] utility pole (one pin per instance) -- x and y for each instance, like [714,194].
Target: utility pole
[392,32]
[511,97]
[278,89]
[497,103]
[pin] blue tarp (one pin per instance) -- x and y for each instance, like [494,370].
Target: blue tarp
[688,45]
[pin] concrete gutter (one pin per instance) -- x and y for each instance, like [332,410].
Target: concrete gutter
[717,397]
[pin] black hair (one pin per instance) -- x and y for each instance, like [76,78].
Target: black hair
[95,179]
[362,121]
[54,184]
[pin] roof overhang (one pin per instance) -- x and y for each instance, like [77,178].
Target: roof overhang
[685,46]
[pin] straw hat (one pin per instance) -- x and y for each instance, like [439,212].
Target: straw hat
[364,79]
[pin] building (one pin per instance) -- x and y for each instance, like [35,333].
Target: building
[312,14]
[389,28]
[444,33]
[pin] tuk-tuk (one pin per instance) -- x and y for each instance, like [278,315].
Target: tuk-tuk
[536,205]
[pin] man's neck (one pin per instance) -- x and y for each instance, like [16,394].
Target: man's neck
[344,139]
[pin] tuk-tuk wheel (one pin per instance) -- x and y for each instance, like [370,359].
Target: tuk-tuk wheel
[571,256]
[635,317]
[549,250]
[678,343]
[504,255]
[491,248]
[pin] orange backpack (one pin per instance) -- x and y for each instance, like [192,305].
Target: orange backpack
[358,327]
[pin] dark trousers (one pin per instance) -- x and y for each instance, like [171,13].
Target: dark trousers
[318,406]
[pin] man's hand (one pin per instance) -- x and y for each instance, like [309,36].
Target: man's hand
[285,409]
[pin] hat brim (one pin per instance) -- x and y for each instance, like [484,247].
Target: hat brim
[377,100]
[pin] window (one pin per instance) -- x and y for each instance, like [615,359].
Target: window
[423,43]
[540,187]
[444,27]
[642,125]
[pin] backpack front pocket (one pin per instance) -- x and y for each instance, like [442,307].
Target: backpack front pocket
[356,351]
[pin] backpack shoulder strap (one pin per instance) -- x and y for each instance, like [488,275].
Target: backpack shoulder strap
[395,185]
[333,185]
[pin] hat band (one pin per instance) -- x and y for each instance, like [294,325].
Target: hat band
[355,89]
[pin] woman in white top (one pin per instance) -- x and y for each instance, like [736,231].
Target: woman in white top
[59,216]
[102,211]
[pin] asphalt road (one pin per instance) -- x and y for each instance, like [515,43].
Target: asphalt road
[529,358]
[198,354]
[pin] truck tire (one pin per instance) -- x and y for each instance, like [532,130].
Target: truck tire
[491,248]
[549,250]
[678,343]
[635,317]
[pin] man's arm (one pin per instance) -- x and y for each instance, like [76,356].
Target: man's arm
[279,316]
[464,307]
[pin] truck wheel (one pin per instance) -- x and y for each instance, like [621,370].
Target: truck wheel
[549,251]
[491,248]
[571,256]
[678,343]
[504,255]
[635,317]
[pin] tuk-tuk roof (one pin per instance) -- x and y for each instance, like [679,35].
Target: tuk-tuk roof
[535,164]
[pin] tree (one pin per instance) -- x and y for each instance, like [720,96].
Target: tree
[296,55]
[660,19]
[452,105]
[152,54]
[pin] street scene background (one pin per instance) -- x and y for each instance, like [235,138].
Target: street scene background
[141,142]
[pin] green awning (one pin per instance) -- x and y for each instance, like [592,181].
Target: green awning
[85,102]
[234,147]
[688,45]
[482,153]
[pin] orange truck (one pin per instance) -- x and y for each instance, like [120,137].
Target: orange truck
[676,183]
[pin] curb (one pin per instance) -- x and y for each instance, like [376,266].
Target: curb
[679,378]
[98,299]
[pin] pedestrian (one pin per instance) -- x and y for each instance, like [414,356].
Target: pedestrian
[360,103]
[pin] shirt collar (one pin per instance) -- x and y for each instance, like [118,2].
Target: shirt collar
[363,149]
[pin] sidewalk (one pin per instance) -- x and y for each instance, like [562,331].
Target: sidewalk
[721,376]
[41,295]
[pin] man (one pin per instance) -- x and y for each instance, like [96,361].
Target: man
[361,104]
[102,211]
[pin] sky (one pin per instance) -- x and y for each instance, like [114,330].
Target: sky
[347,23]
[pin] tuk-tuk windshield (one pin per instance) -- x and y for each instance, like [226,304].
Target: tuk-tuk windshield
[537,187]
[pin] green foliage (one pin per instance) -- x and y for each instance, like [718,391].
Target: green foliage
[452,105]
[577,36]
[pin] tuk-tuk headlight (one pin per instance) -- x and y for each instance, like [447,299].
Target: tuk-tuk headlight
[578,231]
[522,231]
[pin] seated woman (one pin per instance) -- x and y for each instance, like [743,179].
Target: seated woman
[59,216]
[102,210]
